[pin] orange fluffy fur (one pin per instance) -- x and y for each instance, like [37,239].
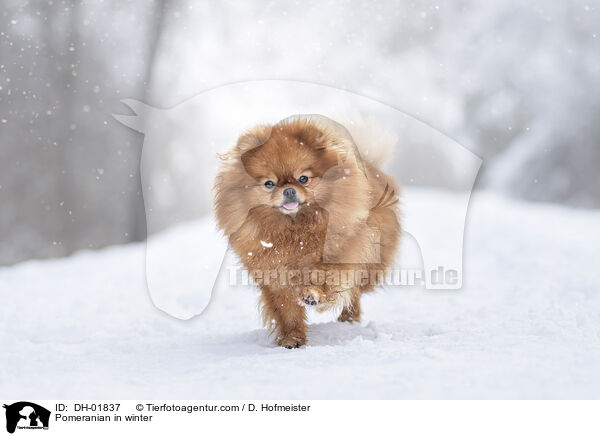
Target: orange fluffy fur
[346,219]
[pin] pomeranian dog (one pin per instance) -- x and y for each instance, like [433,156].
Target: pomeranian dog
[313,222]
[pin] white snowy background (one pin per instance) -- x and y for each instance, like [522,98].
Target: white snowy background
[516,83]
[525,325]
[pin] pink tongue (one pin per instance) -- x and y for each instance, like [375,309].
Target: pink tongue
[291,206]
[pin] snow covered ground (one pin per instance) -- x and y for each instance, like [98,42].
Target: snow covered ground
[525,325]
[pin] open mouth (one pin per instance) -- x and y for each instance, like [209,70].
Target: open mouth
[290,207]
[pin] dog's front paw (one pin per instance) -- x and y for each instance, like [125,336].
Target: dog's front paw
[292,340]
[312,296]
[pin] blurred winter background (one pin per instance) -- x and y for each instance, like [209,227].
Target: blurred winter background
[518,83]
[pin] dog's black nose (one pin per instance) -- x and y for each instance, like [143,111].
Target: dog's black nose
[289,193]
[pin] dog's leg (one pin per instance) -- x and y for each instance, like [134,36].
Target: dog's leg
[351,312]
[285,317]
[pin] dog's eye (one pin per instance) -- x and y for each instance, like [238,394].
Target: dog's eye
[269,184]
[303,180]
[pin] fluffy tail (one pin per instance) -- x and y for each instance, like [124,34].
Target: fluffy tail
[374,142]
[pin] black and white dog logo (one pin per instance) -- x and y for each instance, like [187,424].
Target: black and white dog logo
[26,415]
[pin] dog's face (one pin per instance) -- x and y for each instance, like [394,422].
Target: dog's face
[291,170]
[287,167]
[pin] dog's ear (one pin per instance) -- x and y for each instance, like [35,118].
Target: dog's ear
[312,136]
[250,140]
[253,138]
[249,143]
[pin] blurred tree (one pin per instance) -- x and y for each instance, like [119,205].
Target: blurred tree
[68,170]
